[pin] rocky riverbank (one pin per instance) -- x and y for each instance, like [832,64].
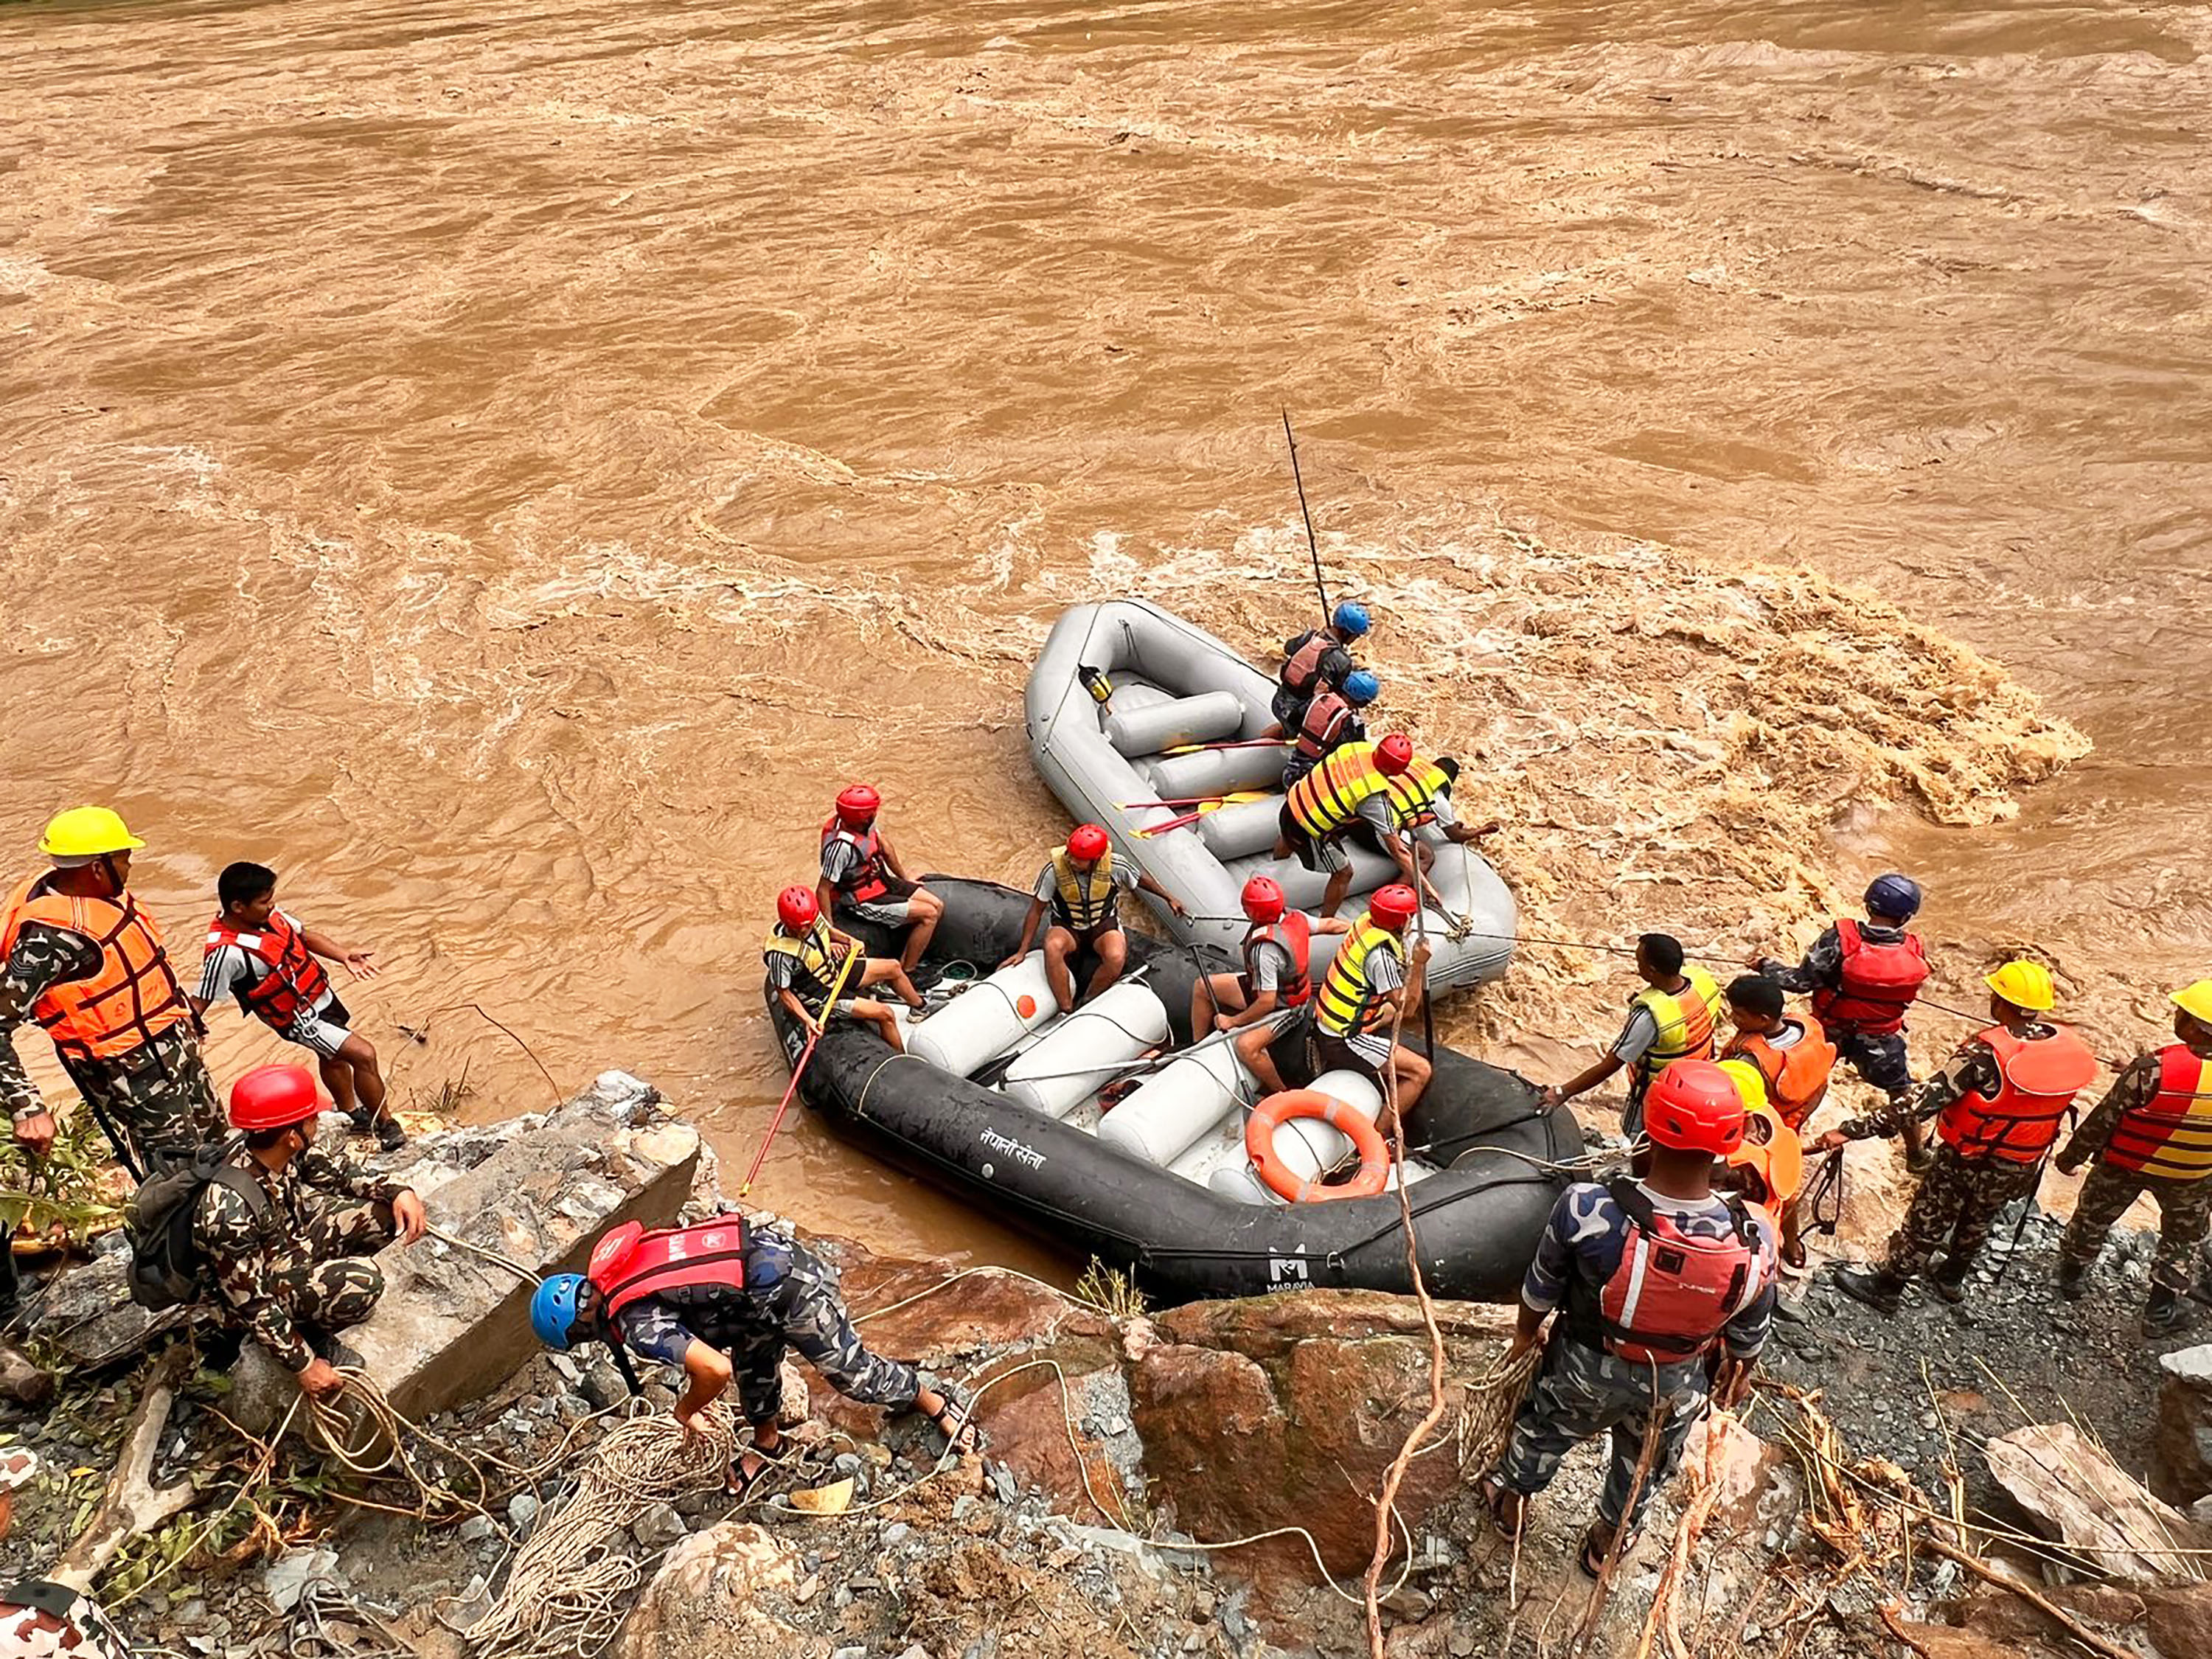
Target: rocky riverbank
[1157,1481]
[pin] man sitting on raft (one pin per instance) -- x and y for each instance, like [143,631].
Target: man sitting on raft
[1370,984]
[1082,884]
[1277,947]
[815,969]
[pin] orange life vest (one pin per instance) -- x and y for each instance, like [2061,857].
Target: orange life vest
[1295,935]
[295,982]
[630,1264]
[2170,1134]
[1797,1077]
[1303,663]
[1876,983]
[871,878]
[133,997]
[2039,1078]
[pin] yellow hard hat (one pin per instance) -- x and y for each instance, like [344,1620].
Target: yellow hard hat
[2196,1000]
[2025,985]
[86,832]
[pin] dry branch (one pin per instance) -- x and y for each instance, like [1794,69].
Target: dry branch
[132,1505]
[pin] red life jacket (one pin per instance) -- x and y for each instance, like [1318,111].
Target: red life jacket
[2170,1134]
[1324,726]
[1672,1293]
[871,879]
[630,1263]
[2040,1077]
[295,982]
[1878,982]
[1295,935]
[1298,670]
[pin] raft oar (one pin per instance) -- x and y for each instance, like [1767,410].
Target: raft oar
[1171,800]
[1214,806]
[1235,743]
[800,1070]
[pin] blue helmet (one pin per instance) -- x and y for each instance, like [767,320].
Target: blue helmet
[1351,618]
[1361,687]
[554,1308]
[1893,895]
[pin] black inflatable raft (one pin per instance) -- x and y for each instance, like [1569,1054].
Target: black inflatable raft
[1478,1137]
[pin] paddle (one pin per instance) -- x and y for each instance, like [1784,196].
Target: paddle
[1240,742]
[800,1070]
[1214,806]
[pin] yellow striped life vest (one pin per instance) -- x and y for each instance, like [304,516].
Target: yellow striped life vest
[1685,1020]
[1327,798]
[1085,902]
[1412,789]
[2170,1134]
[818,959]
[1346,1003]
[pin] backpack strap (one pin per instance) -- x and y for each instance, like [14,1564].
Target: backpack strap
[1633,1203]
[249,1192]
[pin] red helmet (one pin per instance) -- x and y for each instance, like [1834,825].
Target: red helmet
[859,805]
[1394,906]
[1263,899]
[1087,843]
[1694,1106]
[1394,754]
[273,1098]
[795,908]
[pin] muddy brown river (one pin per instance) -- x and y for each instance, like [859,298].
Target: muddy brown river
[505,466]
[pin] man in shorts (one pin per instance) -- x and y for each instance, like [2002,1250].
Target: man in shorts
[1080,885]
[861,871]
[268,961]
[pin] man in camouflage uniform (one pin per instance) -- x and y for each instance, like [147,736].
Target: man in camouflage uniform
[2152,1134]
[284,1228]
[1996,1133]
[86,961]
[778,1296]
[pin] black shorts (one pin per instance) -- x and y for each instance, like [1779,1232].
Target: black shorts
[1327,1052]
[1090,941]
[1324,857]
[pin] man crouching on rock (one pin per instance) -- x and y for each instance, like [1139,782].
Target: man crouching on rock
[724,1299]
[285,1228]
[1652,1277]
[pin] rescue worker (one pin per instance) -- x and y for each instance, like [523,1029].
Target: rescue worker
[1648,1277]
[1997,1104]
[86,961]
[284,1228]
[1793,1060]
[807,969]
[1277,977]
[1332,720]
[1081,883]
[2151,1133]
[1372,986]
[1319,810]
[724,1300]
[267,960]
[42,1620]
[861,871]
[1863,977]
[1671,1019]
[1420,795]
[1303,659]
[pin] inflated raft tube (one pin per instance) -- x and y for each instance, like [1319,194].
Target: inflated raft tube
[1175,686]
[1477,1214]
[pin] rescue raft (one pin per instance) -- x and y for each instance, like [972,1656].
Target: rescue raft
[997,1099]
[1182,725]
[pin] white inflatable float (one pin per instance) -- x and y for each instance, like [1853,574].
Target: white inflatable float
[1178,694]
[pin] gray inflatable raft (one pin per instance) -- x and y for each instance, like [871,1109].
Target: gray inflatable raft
[1176,688]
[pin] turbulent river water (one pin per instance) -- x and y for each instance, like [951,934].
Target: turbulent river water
[505,466]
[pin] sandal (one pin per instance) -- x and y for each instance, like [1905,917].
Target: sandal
[1496,1497]
[740,1482]
[1591,1561]
[963,1435]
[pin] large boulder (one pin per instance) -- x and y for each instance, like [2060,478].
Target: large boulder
[2181,1464]
[1278,1412]
[706,1599]
[2079,1496]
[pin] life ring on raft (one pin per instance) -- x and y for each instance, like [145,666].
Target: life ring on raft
[1289,1107]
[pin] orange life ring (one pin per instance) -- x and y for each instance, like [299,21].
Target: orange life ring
[1271,1114]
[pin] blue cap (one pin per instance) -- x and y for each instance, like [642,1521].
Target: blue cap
[1893,895]
[555,1307]
[1360,686]
[1351,618]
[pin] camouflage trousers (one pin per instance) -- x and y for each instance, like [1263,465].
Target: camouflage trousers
[1582,1392]
[158,1099]
[323,1278]
[1953,1212]
[2185,1215]
[805,1312]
